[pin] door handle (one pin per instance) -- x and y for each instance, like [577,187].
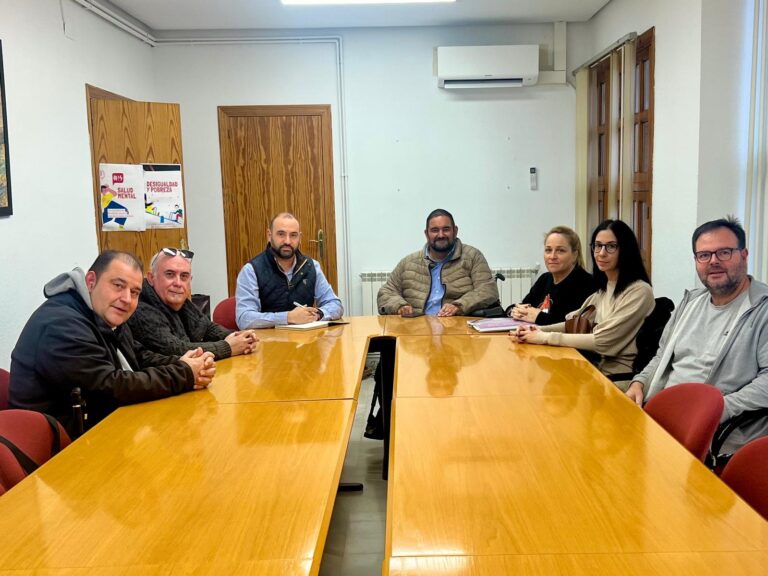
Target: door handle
[320,241]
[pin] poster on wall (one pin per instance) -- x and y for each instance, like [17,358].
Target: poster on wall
[121,187]
[6,206]
[163,196]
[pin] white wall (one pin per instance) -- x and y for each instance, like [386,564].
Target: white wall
[676,123]
[414,147]
[201,78]
[411,147]
[726,58]
[52,228]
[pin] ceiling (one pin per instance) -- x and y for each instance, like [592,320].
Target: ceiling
[159,15]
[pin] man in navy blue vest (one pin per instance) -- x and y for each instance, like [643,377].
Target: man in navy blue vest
[281,285]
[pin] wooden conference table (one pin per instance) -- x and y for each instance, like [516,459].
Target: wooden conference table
[520,459]
[504,459]
[237,479]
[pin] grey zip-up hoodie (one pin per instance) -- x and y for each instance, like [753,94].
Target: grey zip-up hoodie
[740,371]
[72,280]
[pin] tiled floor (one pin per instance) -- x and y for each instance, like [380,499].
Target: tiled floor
[355,543]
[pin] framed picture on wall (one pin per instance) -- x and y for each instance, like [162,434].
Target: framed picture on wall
[6,206]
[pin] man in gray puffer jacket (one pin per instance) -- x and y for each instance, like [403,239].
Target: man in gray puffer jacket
[445,278]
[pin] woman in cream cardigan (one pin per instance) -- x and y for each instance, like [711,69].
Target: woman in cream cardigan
[623,299]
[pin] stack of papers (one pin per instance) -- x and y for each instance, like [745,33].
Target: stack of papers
[497,324]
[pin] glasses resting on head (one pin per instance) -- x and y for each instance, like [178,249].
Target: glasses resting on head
[188,254]
[171,252]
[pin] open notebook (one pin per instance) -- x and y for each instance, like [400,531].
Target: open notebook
[312,325]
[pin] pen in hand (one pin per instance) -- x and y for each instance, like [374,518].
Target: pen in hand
[314,316]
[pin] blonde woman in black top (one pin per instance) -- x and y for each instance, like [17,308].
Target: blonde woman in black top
[565,285]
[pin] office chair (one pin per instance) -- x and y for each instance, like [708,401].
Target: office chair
[5,380]
[27,440]
[717,458]
[747,474]
[690,413]
[224,313]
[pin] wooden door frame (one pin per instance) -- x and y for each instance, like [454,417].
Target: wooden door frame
[625,185]
[96,93]
[642,182]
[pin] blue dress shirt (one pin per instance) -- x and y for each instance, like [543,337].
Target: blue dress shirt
[248,308]
[436,292]
[437,289]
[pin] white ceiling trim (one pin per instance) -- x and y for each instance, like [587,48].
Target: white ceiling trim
[121,20]
[163,18]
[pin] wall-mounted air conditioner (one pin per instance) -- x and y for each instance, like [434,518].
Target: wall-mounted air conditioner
[487,66]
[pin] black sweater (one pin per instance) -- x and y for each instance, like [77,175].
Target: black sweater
[565,297]
[166,331]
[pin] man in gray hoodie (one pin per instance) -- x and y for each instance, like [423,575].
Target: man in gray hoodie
[78,338]
[719,333]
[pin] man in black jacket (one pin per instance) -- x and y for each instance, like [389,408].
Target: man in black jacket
[167,322]
[77,339]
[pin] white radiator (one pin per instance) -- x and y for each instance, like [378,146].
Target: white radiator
[517,284]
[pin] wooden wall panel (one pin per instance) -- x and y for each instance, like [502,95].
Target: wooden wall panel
[129,132]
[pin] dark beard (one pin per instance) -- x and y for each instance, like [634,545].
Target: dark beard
[447,248]
[724,289]
[277,254]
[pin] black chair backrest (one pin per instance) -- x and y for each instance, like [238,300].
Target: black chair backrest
[650,332]
[717,459]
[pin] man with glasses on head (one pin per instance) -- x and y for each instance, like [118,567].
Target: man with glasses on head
[166,320]
[283,286]
[77,339]
[719,333]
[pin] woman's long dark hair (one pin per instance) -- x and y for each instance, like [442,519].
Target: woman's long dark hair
[630,263]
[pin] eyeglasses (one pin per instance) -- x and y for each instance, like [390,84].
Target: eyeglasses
[188,254]
[723,254]
[610,247]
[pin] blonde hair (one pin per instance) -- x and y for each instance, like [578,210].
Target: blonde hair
[573,241]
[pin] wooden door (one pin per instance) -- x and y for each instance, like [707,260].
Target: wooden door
[129,132]
[600,144]
[277,159]
[642,171]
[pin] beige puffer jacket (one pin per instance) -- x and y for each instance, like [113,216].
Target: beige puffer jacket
[467,278]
